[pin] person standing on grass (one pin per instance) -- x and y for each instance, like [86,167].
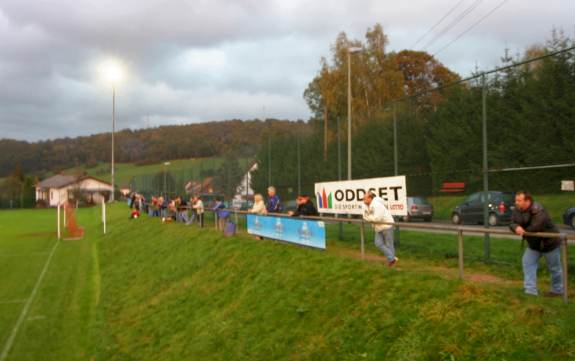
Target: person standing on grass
[529,216]
[375,212]
[199,208]
[274,204]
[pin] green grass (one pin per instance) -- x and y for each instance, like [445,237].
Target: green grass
[58,321]
[148,291]
[125,171]
[555,204]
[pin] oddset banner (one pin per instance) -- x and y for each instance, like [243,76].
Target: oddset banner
[300,231]
[346,197]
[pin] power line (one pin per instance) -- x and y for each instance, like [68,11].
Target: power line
[437,24]
[454,22]
[471,27]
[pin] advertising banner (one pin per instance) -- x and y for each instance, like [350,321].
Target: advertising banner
[346,197]
[300,231]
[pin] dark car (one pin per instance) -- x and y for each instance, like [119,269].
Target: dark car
[569,217]
[418,208]
[500,205]
[290,205]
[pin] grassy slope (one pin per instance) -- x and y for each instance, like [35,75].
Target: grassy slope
[178,293]
[125,171]
[148,291]
[555,204]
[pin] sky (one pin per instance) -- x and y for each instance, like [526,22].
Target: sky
[196,61]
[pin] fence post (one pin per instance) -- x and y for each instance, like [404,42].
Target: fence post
[65,205]
[460,249]
[564,245]
[58,220]
[236,220]
[104,214]
[216,220]
[362,237]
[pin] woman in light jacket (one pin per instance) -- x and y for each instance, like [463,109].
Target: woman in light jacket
[259,205]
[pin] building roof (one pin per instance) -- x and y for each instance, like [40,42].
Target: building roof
[62,180]
[57,181]
[196,187]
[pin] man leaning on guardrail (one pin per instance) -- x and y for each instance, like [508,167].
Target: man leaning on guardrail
[375,211]
[531,217]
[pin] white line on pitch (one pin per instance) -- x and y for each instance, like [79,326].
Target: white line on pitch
[7,255]
[24,312]
[12,301]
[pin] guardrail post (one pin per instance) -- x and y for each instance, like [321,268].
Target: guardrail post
[460,249]
[396,235]
[362,237]
[564,245]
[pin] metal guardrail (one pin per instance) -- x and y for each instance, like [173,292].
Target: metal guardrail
[458,230]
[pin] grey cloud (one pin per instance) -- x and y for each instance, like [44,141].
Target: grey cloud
[193,61]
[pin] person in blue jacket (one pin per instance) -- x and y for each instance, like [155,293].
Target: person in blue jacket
[274,205]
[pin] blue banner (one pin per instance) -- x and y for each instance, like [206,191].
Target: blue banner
[300,231]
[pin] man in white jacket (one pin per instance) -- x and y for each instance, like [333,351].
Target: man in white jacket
[375,211]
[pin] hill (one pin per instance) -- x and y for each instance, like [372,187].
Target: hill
[184,169]
[143,146]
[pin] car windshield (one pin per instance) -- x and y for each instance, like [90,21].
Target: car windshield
[508,197]
[418,200]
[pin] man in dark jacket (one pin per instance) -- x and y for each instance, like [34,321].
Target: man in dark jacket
[529,216]
[305,207]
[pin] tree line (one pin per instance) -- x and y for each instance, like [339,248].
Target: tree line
[143,146]
[530,120]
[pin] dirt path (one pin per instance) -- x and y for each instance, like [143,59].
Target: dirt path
[413,266]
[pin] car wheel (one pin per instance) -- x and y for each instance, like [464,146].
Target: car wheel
[492,219]
[456,218]
[428,219]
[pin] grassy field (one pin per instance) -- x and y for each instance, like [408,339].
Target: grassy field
[125,171]
[555,204]
[147,291]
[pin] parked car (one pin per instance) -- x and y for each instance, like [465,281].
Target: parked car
[500,205]
[418,208]
[290,205]
[569,217]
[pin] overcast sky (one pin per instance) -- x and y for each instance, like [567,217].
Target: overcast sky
[202,60]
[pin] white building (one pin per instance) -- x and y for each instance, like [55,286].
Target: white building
[60,188]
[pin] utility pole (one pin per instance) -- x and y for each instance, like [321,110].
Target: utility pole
[486,240]
[298,165]
[395,164]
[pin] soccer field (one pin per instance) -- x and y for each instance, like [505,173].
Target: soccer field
[49,288]
[152,291]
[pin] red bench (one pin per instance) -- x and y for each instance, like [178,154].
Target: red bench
[452,187]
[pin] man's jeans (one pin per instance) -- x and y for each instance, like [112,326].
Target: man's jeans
[530,263]
[384,241]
